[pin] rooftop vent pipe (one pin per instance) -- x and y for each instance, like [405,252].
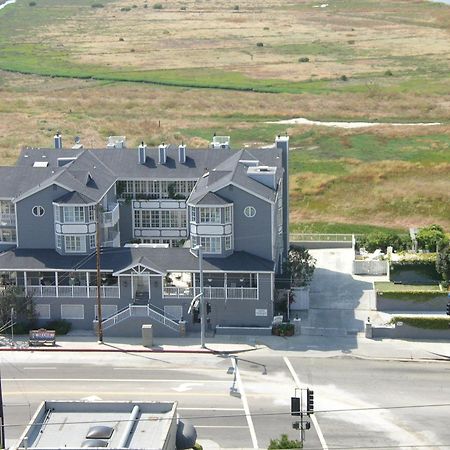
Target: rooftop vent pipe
[182,153]
[162,153]
[142,153]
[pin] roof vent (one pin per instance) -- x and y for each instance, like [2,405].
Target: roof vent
[182,153]
[116,142]
[40,164]
[249,162]
[162,153]
[100,432]
[263,174]
[221,142]
[77,143]
[64,161]
[58,140]
[91,443]
[142,153]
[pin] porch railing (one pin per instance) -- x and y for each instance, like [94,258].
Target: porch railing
[139,311]
[7,219]
[73,291]
[110,217]
[244,293]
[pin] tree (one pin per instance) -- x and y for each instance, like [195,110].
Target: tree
[443,263]
[373,241]
[284,442]
[300,266]
[13,297]
[431,238]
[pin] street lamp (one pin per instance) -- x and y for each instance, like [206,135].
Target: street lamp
[202,297]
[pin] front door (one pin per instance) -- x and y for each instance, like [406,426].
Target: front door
[141,288]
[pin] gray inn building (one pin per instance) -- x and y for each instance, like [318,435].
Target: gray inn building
[155,205]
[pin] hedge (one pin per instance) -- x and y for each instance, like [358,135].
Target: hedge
[414,296]
[428,323]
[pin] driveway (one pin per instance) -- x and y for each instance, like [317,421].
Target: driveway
[339,302]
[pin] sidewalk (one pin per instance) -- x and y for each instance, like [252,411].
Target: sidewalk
[296,346]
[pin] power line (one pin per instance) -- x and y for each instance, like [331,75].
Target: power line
[266,414]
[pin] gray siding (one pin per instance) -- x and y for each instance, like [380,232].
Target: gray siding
[37,232]
[125,222]
[250,234]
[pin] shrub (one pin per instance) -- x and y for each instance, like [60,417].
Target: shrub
[443,264]
[134,6]
[299,267]
[121,39]
[351,41]
[344,78]
[303,59]
[60,326]
[158,6]
[183,8]
[428,323]
[259,44]
[266,28]
[388,73]
[146,6]
[125,9]
[429,238]
[32,4]
[284,442]
[97,5]
[236,7]
[373,241]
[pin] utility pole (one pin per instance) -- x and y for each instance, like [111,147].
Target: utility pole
[99,299]
[202,299]
[2,417]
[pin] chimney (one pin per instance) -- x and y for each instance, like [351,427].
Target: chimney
[162,153]
[142,153]
[58,140]
[182,153]
[282,143]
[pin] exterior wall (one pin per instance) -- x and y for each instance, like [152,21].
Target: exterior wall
[370,267]
[409,332]
[434,304]
[132,327]
[37,232]
[250,234]
[126,222]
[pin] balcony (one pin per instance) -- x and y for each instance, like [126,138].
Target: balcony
[114,242]
[7,219]
[110,217]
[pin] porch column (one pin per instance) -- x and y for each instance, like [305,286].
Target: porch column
[25,282]
[56,284]
[225,283]
[87,284]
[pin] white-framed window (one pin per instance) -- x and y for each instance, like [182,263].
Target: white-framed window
[73,214]
[38,211]
[193,215]
[210,215]
[92,241]
[91,212]
[249,211]
[228,242]
[58,241]
[7,235]
[107,311]
[71,312]
[57,212]
[228,214]
[75,244]
[42,311]
[209,244]
[7,207]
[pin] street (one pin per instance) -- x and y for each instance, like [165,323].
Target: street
[359,403]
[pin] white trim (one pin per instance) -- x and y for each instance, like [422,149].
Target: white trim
[131,266]
[39,188]
[245,190]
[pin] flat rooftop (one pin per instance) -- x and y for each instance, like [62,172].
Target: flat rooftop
[66,424]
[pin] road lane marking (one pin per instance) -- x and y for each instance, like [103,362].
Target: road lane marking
[245,403]
[312,416]
[209,409]
[115,380]
[220,426]
[183,387]
[39,368]
[122,393]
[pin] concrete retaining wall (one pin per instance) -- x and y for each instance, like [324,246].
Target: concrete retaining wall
[386,303]
[132,327]
[409,332]
[320,244]
[370,267]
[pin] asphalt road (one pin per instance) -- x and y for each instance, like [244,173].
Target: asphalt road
[357,401]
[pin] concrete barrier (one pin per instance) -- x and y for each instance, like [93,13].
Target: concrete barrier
[408,332]
[367,267]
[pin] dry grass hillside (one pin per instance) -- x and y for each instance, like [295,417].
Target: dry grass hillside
[181,70]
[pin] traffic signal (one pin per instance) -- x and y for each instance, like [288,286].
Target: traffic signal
[448,309]
[295,406]
[208,308]
[309,401]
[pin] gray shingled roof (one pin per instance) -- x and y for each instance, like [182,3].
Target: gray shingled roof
[211,199]
[116,259]
[108,165]
[74,198]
